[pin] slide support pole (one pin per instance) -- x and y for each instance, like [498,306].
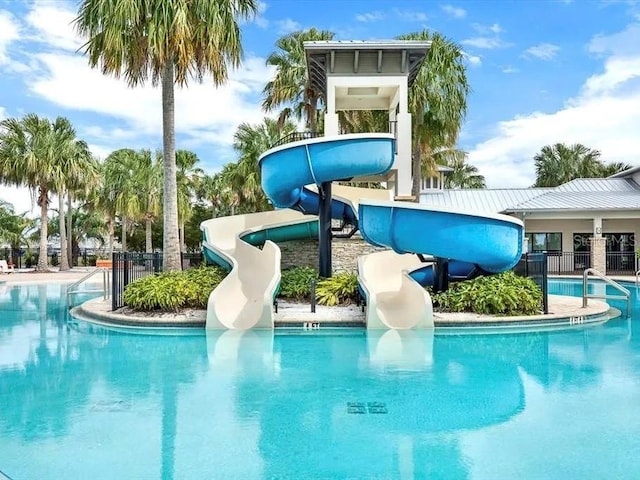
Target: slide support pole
[441,275]
[324,219]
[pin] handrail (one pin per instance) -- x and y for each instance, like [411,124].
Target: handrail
[626,293]
[105,284]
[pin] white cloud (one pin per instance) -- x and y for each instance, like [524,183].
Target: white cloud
[474,60]
[288,25]
[488,43]
[510,69]
[260,20]
[410,15]
[3,113]
[9,32]
[370,16]
[605,115]
[455,12]
[543,51]
[487,29]
[20,198]
[52,23]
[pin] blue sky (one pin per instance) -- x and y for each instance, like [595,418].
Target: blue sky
[540,71]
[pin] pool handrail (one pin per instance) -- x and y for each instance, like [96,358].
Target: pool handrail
[105,284]
[626,294]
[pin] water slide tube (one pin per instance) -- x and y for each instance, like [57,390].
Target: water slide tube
[244,299]
[400,302]
[491,243]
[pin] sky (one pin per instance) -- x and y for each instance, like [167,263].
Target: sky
[541,72]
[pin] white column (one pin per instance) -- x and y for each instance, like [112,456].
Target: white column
[597,227]
[403,143]
[331,124]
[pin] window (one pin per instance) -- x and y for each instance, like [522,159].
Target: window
[545,242]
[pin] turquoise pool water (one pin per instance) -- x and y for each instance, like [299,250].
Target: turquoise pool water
[81,402]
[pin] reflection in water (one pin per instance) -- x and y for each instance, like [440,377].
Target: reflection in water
[233,404]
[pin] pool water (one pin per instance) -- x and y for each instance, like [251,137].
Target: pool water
[77,401]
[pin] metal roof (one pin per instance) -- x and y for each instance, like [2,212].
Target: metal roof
[579,194]
[626,173]
[483,200]
[563,200]
[598,185]
[320,52]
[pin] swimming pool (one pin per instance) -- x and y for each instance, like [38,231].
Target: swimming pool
[77,401]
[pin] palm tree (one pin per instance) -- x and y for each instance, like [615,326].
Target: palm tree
[13,229]
[291,86]
[560,163]
[612,168]
[250,141]
[83,180]
[188,177]
[169,42]
[149,181]
[437,100]
[31,150]
[122,179]
[464,175]
[75,167]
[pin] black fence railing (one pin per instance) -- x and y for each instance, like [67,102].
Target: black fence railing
[534,266]
[128,267]
[574,263]
[296,136]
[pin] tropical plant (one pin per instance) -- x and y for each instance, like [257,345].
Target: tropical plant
[437,101]
[296,282]
[339,289]
[612,168]
[122,177]
[560,163]
[503,294]
[291,86]
[463,174]
[251,141]
[149,181]
[169,42]
[33,153]
[14,229]
[188,178]
[170,291]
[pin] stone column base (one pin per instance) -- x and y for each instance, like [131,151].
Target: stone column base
[599,254]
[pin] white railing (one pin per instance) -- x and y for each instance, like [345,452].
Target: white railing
[626,294]
[106,280]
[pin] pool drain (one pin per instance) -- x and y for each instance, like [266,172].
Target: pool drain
[362,408]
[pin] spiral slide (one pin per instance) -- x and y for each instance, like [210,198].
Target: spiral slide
[390,280]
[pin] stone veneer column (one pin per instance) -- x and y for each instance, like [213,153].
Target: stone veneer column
[599,254]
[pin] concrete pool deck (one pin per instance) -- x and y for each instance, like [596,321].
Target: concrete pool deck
[564,310]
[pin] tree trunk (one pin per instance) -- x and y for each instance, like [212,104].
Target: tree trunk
[313,114]
[124,233]
[64,259]
[43,201]
[112,235]
[69,229]
[170,240]
[416,173]
[148,238]
[183,242]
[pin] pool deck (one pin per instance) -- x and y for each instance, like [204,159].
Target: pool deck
[563,310]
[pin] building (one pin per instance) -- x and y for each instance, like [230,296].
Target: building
[583,223]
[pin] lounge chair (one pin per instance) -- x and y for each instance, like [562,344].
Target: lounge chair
[5,267]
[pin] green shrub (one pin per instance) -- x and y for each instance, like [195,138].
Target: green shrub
[503,294]
[341,288]
[296,282]
[171,291]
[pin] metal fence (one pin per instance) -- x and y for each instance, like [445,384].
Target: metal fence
[574,263]
[296,136]
[128,267]
[535,267]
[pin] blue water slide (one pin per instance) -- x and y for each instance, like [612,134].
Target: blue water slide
[490,242]
[309,203]
[458,271]
[288,168]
